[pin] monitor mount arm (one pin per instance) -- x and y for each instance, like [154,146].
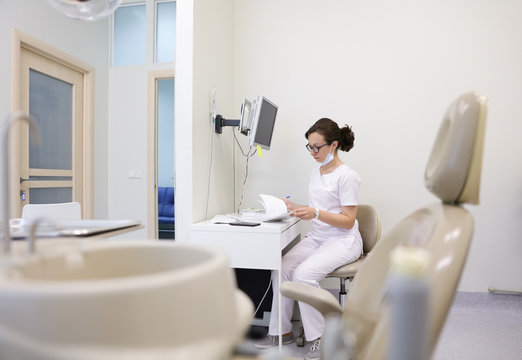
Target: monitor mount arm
[221,122]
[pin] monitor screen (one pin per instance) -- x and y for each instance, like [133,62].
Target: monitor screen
[263,123]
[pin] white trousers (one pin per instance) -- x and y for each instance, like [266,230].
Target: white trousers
[308,262]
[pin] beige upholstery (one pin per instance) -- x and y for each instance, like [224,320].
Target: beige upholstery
[60,211]
[455,164]
[370,229]
[444,229]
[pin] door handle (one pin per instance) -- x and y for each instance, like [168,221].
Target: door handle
[22,180]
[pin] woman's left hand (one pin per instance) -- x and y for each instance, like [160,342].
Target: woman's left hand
[304,213]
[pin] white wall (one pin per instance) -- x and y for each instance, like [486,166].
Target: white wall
[390,69]
[213,68]
[204,60]
[127,135]
[88,42]
[387,69]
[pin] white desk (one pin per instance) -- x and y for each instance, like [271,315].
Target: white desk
[257,247]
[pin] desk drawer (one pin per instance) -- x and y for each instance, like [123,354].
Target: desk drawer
[290,234]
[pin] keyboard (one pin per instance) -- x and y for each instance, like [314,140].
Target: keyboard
[224,219]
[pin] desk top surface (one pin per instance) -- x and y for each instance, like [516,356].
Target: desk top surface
[265,227]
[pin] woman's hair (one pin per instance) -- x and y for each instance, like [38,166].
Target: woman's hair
[331,132]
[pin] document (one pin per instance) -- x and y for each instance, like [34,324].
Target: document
[275,208]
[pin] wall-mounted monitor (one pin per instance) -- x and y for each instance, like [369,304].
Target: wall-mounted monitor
[263,120]
[257,121]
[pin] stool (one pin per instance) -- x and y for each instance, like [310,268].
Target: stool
[370,229]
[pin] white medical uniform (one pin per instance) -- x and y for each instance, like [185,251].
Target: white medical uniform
[323,250]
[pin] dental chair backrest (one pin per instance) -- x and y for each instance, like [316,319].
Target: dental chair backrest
[444,229]
[57,211]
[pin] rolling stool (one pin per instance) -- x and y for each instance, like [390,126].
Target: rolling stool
[370,229]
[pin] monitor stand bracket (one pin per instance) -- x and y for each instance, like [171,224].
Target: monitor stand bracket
[221,122]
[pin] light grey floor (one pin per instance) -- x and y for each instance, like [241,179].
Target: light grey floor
[482,326]
[479,326]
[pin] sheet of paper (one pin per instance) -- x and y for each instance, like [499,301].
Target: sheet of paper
[275,208]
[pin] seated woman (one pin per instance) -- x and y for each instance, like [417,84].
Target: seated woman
[334,238]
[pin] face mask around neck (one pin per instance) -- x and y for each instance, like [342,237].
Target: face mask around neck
[328,158]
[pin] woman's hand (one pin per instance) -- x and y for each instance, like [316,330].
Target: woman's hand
[290,206]
[344,220]
[304,213]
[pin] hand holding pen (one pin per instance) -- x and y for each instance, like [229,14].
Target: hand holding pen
[290,206]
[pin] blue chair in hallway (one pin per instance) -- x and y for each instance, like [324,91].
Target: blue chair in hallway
[166,218]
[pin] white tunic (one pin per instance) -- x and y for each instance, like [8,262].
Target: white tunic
[329,192]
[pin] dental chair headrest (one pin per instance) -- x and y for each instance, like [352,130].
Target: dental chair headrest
[455,164]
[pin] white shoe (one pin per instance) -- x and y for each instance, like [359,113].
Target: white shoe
[314,353]
[273,340]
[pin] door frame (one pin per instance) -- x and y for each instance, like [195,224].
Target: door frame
[152,153]
[21,40]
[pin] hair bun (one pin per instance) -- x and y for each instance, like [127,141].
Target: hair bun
[347,138]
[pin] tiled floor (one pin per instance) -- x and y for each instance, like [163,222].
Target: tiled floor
[479,326]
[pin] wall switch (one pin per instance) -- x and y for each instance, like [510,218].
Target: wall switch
[135,174]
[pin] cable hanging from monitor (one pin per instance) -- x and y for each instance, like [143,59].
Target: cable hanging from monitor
[242,151]
[248,156]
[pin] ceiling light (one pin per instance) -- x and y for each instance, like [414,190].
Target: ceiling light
[86,10]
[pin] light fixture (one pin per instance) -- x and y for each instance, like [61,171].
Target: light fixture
[86,10]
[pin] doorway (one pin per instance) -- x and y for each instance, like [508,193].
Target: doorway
[161,175]
[55,89]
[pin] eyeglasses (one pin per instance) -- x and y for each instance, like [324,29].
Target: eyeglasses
[314,148]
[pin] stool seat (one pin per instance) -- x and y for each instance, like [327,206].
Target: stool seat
[348,270]
[370,229]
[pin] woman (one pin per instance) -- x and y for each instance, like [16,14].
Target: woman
[334,238]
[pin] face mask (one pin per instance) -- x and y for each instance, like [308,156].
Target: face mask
[328,158]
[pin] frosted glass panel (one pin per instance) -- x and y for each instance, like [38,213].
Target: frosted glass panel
[50,178]
[50,195]
[50,103]
[165,31]
[129,35]
[166,132]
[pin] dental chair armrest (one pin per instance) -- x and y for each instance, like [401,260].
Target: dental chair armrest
[319,298]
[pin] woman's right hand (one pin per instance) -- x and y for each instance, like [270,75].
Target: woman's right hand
[290,206]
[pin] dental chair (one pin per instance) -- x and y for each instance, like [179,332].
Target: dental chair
[444,229]
[59,211]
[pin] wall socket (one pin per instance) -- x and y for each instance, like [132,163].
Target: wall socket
[213,106]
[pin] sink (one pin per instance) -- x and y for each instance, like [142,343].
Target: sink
[122,300]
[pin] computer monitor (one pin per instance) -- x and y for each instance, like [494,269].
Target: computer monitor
[263,120]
